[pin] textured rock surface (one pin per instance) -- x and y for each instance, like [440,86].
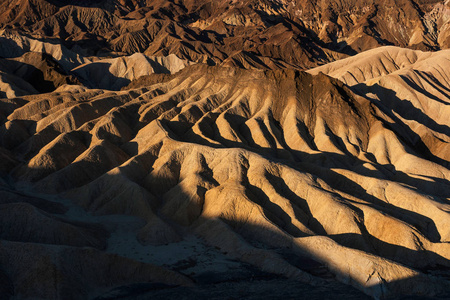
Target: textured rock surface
[243,33]
[252,162]
[175,149]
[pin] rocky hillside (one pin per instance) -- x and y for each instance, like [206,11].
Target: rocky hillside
[253,163]
[270,33]
[224,149]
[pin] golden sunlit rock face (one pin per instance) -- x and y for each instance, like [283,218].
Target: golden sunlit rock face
[195,149]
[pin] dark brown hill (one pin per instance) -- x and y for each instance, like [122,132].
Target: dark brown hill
[300,33]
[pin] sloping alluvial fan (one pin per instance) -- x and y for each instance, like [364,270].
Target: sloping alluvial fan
[224,149]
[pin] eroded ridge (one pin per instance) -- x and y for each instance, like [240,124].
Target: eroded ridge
[256,163]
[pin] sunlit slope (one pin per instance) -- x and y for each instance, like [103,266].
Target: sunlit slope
[412,87]
[251,161]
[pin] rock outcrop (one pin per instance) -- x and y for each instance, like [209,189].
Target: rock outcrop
[251,161]
[215,149]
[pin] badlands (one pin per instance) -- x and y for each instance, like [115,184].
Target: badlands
[257,149]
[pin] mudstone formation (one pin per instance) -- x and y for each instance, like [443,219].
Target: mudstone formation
[261,149]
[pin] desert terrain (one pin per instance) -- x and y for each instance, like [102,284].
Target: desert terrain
[257,149]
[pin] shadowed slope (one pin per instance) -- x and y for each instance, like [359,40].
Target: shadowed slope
[115,73]
[254,162]
[412,87]
[252,32]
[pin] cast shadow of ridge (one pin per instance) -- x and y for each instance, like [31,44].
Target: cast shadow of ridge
[303,162]
[279,235]
[252,233]
[408,111]
[337,181]
[230,285]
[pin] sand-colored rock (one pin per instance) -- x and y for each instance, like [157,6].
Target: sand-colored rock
[146,146]
[411,87]
[118,72]
[252,161]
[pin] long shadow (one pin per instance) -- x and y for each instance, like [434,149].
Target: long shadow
[429,261]
[343,161]
[272,211]
[296,201]
[340,182]
[9,48]
[309,263]
[300,161]
[43,80]
[421,90]
[303,162]
[405,108]
[431,80]
[97,75]
[407,111]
